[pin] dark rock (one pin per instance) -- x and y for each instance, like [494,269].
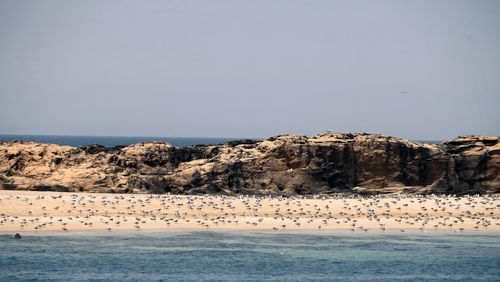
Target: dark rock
[281,165]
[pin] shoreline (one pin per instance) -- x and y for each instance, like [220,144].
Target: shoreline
[178,231]
[33,212]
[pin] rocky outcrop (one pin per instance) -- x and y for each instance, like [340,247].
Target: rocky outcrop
[287,165]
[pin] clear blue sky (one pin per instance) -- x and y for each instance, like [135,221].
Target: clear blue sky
[250,68]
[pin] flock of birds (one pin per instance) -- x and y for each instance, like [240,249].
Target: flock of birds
[66,211]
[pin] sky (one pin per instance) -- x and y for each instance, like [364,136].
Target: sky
[245,68]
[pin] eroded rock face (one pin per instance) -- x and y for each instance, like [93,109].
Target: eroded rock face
[287,165]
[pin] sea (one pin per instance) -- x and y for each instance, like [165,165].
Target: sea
[240,256]
[234,256]
[111,141]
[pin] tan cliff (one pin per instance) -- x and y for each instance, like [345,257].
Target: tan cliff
[281,165]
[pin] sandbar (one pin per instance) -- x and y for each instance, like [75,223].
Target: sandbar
[33,211]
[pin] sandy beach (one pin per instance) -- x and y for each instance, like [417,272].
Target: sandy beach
[22,211]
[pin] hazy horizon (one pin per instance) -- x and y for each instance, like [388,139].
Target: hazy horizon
[250,69]
[198,137]
[208,137]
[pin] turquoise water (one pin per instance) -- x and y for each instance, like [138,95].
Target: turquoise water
[111,141]
[250,257]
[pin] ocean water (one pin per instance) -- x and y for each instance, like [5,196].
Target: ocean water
[219,256]
[111,141]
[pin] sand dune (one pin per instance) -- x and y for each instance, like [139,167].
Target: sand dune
[67,212]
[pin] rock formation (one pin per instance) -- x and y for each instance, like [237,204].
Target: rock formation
[281,165]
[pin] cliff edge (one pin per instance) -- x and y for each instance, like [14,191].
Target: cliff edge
[281,165]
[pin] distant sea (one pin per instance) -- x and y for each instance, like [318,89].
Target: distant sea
[111,141]
[215,256]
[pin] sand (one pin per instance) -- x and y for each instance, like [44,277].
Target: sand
[28,211]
